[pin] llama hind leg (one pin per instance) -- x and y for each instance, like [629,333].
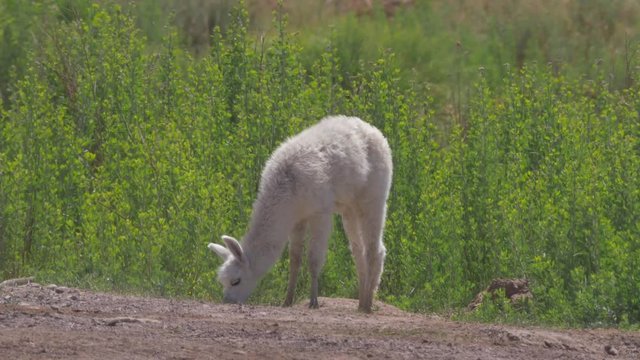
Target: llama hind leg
[296,243]
[372,226]
[352,229]
[320,229]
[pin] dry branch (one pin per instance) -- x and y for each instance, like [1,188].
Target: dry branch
[514,290]
[16,282]
[118,320]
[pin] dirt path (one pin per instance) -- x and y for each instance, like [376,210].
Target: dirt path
[50,322]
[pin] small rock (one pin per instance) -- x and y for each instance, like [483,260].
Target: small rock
[611,350]
[73,297]
[51,286]
[61,289]
[240,352]
[7,298]
[548,344]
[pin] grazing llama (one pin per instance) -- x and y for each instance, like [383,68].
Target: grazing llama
[341,164]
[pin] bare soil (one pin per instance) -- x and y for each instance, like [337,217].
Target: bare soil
[52,322]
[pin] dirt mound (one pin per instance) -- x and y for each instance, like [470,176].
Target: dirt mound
[54,322]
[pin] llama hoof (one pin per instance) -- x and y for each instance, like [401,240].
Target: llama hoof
[313,304]
[365,309]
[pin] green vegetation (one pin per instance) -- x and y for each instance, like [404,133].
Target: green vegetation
[123,154]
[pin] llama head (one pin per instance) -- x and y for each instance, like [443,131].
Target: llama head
[235,274]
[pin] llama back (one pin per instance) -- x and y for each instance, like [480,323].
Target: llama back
[332,161]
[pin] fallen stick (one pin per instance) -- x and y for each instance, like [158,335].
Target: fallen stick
[16,282]
[115,321]
[514,290]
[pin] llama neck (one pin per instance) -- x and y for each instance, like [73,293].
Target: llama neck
[268,233]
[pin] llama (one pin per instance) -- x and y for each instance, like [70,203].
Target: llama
[339,165]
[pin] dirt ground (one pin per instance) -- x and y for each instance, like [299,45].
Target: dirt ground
[53,322]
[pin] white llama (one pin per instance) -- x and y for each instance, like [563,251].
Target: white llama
[341,164]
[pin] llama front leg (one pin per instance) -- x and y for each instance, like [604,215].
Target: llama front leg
[320,229]
[296,244]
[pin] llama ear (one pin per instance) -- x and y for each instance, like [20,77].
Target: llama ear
[220,250]
[234,247]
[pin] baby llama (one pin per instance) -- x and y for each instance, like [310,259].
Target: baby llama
[340,165]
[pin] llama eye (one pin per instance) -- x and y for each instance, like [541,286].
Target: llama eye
[235,282]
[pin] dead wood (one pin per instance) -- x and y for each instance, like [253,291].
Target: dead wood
[514,290]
